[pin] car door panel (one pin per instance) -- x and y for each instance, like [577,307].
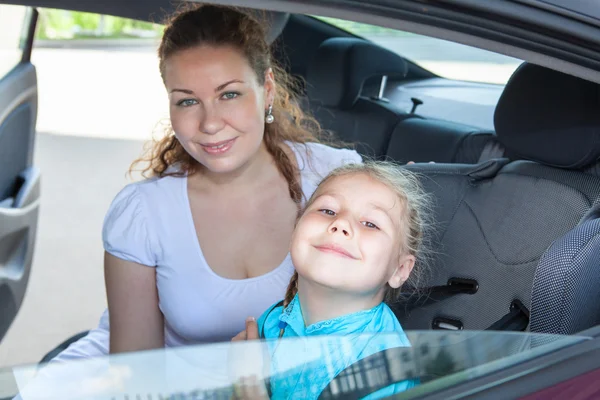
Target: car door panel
[19,178]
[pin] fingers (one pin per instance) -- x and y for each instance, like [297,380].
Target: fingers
[251,329]
[240,336]
[250,389]
[250,333]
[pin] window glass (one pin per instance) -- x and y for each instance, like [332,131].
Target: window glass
[14,22]
[446,59]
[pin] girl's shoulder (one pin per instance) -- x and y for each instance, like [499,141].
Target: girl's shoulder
[269,321]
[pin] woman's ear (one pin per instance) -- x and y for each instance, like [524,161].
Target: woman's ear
[270,88]
[402,271]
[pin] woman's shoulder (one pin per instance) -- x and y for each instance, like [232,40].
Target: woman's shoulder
[132,224]
[317,160]
[149,192]
[323,157]
[144,195]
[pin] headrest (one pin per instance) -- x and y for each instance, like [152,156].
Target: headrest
[341,66]
[550,117]
[274,20]
[277,22]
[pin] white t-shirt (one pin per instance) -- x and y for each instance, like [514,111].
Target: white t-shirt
[150,223]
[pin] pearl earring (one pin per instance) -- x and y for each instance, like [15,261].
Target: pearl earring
[269,118]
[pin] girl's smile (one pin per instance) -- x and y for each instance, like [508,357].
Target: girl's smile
[335,249]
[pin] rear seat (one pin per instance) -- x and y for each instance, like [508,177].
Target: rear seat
[423,140]
[335,80]
[495,220]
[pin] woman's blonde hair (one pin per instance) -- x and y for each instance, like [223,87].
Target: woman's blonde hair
[215,25]
[416,217]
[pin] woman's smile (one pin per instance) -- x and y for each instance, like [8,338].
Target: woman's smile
[218,147]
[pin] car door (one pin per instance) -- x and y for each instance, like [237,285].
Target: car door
[19,179]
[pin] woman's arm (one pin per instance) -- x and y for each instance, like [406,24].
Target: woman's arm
[136,322]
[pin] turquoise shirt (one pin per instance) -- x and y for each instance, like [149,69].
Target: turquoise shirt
[301,369]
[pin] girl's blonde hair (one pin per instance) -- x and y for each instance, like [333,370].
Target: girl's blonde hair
[416,216]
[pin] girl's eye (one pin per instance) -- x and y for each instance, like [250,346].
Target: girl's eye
[328,212]
[370,225]
[230,95]
[186,102]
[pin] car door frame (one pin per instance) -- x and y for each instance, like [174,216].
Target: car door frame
[20,188]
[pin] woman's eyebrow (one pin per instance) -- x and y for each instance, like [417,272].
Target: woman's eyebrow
[217,89]
[186,91]
[223,86]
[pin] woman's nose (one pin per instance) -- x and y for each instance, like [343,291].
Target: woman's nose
[211,121]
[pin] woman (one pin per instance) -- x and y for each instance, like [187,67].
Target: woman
[203,243]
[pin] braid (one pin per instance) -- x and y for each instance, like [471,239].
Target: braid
[289,295]
[291,290]
[285,165]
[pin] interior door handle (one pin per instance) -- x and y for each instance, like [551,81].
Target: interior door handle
[16,222]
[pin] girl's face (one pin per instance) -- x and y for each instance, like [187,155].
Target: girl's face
[350,238]
[217,105]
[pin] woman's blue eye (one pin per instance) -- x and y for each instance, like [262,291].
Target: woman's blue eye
[328,212]
[230,95]
[186,102]
[370,225]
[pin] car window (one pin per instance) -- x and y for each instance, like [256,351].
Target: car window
[14,21]
[435,359]
[446,59]
[57,25]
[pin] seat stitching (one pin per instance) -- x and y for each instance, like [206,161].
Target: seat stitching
[470,209]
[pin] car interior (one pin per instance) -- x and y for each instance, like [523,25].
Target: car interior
[499,241]
[516,200]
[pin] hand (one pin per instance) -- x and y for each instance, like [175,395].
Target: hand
[249,359]
[250,389]
[250,333]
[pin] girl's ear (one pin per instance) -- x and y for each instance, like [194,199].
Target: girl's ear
[402,271]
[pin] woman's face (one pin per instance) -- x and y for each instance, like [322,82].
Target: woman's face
[217,105]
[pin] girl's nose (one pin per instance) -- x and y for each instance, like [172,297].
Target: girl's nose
[342,226]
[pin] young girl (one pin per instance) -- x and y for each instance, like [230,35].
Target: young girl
[357,242]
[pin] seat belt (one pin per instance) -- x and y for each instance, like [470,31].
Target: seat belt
[435,294]
[516,320]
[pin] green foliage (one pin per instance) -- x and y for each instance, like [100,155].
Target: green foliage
[61,24]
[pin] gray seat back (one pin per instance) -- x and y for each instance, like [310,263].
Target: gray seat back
[566,286]
[496,220]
